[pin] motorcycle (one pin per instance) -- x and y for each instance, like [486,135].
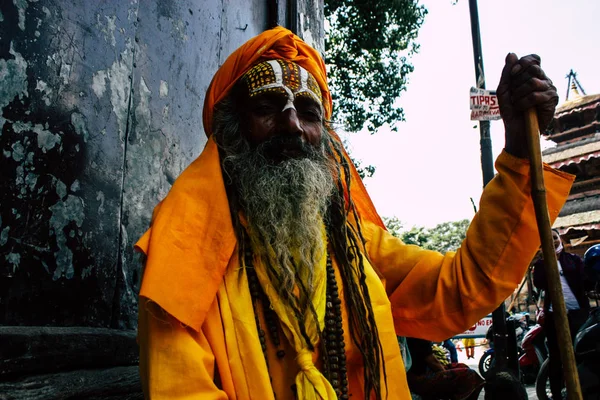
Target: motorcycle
[534,351]
[587,357]
[521,323]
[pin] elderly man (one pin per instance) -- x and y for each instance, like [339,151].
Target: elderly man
[269,273]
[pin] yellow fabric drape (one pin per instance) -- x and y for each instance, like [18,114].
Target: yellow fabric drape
[310,382]
[431,296]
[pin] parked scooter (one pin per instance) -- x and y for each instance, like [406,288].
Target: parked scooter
[534,351]
[521,324]
[587,356]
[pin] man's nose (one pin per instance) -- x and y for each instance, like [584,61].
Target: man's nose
[290,122]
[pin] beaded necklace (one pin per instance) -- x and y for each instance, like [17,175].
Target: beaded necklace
[332,337]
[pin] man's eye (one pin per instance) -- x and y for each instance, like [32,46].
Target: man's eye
[311,115]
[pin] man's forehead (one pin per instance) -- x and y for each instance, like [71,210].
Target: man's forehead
[281,75]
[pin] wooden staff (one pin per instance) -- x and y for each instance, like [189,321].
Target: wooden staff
[538,193]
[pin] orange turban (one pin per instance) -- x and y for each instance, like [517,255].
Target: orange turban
[270,45]
[191,239]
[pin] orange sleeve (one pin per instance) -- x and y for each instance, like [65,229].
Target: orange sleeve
[435,296]
[175,362]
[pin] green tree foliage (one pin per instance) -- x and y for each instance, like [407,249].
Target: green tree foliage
[363,172]
[393,225]
[448,236]
[444,237]
[367,48]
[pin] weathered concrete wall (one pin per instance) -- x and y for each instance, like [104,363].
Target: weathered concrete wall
[101,110]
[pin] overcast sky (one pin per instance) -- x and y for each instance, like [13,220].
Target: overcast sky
[427,171]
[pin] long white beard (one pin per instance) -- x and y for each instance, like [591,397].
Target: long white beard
[284,205]
[284,202]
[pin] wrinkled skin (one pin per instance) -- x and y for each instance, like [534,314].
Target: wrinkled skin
[523,85]
[290,129]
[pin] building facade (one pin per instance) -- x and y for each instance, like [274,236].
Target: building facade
[576,131]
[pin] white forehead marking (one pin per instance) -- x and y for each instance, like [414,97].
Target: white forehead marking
[278,72]
[303,78]
[304,86]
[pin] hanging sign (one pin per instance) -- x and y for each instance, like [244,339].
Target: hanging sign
[484,105]
[478,330]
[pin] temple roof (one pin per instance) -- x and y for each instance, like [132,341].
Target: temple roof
[586,220]
[577,104]
[572,153]
[580,205]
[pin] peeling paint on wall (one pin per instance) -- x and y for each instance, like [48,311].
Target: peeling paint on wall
[65,71]
[80,126]
[180,28]
[100,197]
[18,152]
[305,29]
[99,83]
[61,188]
[14,259]
[4,235]
[46,140]
[107,29]
[142,111]
[46,91]
[22,8]
[163,89]
[64,213]
[119,79]
[14,80]
[31,180]
[87,271]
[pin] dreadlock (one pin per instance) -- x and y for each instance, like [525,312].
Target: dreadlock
[345,239]
[348,246]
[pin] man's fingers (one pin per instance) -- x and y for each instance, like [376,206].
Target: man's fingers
[535,99]
[532,71]
[532,85]
[525,62]
[509,63]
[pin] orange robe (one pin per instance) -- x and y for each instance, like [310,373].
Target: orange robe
[197,332]
[196,343]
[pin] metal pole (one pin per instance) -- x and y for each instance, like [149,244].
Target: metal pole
[487,167]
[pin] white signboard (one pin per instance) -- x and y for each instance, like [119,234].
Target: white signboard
[478,330]
[484,105]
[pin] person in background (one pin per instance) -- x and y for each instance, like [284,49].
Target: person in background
[449,345]
[469,344]
[430,379]
[574,284]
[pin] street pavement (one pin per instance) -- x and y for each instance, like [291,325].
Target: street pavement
[474,364]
